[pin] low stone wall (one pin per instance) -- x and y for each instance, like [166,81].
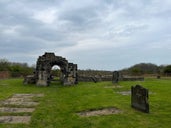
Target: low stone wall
[87,79]
[106,78]
[94,78]
[4,74]
[132,79]
[30,79]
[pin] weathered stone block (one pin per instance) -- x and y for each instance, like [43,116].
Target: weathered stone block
[30,79]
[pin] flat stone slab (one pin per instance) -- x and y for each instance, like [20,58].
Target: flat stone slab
[15,119]
[18,103]
[125,92]
[22,100]
[4,84]
[19,99]
[28,95]
[104,111]
[113,87]
[15,110]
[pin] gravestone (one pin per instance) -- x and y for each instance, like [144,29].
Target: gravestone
[115,77]
[139,98]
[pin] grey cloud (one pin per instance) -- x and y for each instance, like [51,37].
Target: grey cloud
[137,25]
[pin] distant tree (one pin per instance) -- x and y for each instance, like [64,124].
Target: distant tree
[161,69]
[136,71]
[4,65]
[20,69]
[16,69]
[56,72]
[142,68]
[167,70]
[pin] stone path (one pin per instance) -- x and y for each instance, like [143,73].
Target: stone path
[18,104]
[15,119]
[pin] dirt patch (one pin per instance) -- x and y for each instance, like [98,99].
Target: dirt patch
[129,92]
[104,111]
[15,119]
[124,93]
[113,87]
[28,95]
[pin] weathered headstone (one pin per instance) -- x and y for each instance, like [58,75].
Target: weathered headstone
[115,77]
[139,98]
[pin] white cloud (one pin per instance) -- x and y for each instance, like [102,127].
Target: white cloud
[11,30]
[47,16]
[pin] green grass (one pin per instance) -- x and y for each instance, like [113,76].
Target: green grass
[58,108]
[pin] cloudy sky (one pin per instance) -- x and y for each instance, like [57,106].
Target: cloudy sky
[95,34]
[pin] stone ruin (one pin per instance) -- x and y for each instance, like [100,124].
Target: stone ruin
[95,78]
[42,75]
[114,76]
[118,76]
[69,74]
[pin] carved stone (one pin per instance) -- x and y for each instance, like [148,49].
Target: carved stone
[139,98]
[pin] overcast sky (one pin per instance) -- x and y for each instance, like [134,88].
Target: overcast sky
[95,34]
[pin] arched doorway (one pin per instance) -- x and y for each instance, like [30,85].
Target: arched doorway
[56,73]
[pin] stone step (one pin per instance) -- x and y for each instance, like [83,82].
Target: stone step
[16,110]
[15,119]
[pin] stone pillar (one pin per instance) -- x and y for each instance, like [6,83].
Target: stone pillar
[71,77]
[42,78]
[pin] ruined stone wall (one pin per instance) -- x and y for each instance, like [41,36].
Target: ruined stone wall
[95,79]
[44,65]
[4,74]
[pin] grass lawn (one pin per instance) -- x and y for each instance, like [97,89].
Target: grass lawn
[58,107]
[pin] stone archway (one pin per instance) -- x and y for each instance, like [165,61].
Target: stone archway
[44,65]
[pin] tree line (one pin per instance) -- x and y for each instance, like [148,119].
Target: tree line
[147,68]
[15,69]
[135,70]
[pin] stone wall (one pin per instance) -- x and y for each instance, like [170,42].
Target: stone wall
[4,74]
[95,79]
